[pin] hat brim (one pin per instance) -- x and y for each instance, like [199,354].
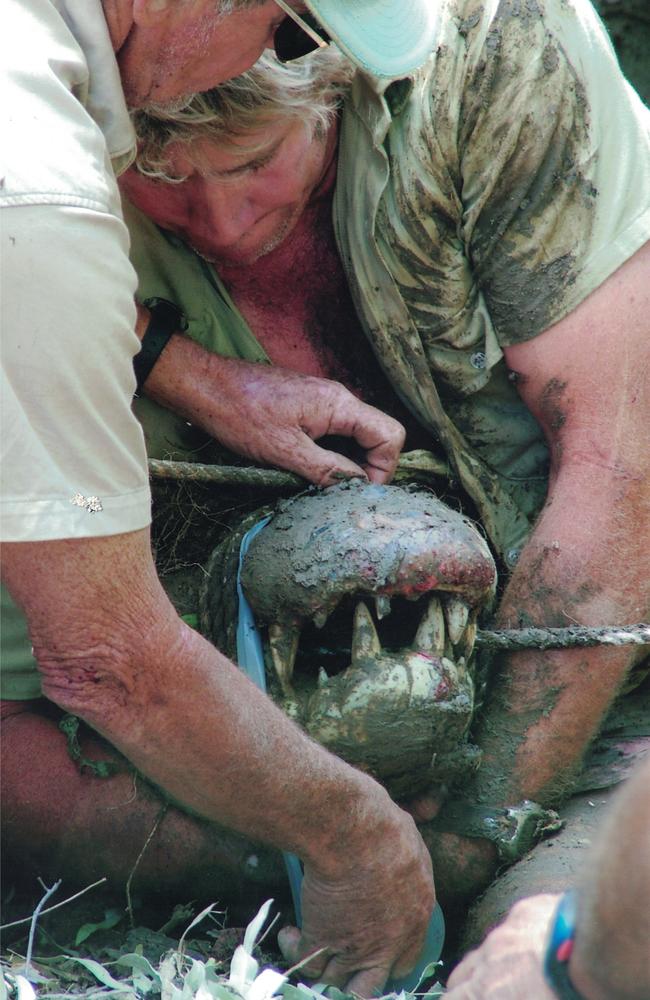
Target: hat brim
[387,38]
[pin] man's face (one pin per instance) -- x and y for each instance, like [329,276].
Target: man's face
[192,49]
[237,206]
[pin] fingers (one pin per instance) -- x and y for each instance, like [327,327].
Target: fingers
[383,438]
[509,963]
[312,965]
[320,466]
[425,807]
[276,415]
[335,971]
[369,983]
[464,972]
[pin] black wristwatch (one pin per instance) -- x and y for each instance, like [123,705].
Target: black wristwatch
[560,946]
[165,320]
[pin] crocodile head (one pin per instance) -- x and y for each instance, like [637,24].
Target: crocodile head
[393,696]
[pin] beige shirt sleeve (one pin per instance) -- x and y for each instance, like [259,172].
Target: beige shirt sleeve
[73,459]
[68,340]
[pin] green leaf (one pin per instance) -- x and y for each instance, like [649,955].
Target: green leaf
[111,918]
[195,978]
[436,991]
[197,920]
[102,974]
[138,963]
[300,992]
[334,993]
[220,992]
[168,970]
[428,971]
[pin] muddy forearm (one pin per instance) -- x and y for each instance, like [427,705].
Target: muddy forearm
[546,706]
[587,561]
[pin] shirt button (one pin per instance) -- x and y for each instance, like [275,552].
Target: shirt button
[477,360]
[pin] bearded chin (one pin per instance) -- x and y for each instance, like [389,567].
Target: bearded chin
[247,258]
[163,109]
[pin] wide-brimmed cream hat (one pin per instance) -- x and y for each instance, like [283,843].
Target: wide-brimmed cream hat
[387,38]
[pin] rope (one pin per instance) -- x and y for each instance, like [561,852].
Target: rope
[411,464]
[572,637]
[225,475]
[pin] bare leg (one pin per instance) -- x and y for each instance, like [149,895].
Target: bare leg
[59,821]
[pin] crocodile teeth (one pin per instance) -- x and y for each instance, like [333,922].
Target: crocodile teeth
[323,679]
[469,638]
[320,619]
[382,606]
[283,640]
[456,614]
[430,636]
[365,641]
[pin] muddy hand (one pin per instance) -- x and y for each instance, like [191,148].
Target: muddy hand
[275,416]
[369,917]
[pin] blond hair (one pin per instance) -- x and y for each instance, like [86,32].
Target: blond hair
[310,89]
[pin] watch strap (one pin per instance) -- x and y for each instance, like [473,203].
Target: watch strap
[559,948]
[165,319]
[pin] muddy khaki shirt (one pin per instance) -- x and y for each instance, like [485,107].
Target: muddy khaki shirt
[479,203]
[68,434]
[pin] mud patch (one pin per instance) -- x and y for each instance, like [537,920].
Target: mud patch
[554,415]
[362,539]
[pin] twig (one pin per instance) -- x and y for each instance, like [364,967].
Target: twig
[50,909]
[268,930]
[157,822]
[32,930]
[571,637]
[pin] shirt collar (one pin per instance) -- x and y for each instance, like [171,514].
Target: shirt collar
[105,101]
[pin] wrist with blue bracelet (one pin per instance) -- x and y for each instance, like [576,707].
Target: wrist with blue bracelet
[560,948]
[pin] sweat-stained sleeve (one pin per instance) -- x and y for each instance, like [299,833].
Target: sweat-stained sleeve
[554,156]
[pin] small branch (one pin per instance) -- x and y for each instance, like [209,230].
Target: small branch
[35,915]
[26,920]
[157,822]
[571,637]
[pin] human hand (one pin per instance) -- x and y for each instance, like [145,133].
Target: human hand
[509,963]
[368,918]
[274,415]
[277,415]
